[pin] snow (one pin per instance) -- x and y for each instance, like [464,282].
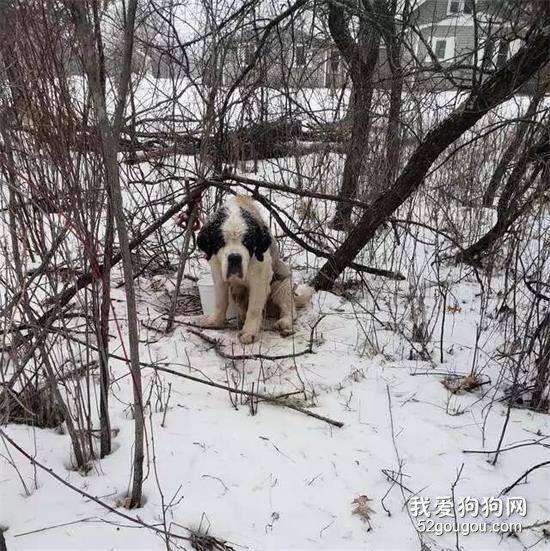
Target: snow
[465,20]
[281,480]
[313,106]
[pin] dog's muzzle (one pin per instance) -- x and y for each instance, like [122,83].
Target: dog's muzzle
[234,265]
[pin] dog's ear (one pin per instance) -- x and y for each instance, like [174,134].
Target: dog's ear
[262,241]
[204,241]
[210,237]
[257,238]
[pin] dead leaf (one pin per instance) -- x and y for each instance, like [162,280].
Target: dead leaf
[363,509]
[457,385]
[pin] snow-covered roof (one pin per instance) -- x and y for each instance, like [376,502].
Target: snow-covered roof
[464,20]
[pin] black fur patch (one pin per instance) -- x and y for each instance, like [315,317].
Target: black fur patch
[257,238]
[210,239]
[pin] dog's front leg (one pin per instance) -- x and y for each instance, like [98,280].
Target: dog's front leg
[257,299]
[221,295]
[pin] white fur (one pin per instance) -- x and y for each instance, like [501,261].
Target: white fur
[233,229]
[302,295]
[257,280]
[256,283]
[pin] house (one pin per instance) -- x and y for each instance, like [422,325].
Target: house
[297,56]
[452,41]
[447,43]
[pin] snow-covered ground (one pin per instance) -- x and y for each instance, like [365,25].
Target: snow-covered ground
[279,479]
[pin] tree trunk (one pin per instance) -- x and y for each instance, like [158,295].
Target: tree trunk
[492,92]
[109,136]
[361,66]
[102,322]
[103,340]
[394,42]
[509,209]
[510,151]
[353,166]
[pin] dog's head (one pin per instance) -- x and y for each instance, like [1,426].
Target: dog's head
[236,236]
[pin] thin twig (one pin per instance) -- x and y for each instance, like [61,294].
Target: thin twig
[457,538]
[524,475]
[135,520]
[533,443]
[218,347]
[45,528]
[257,395]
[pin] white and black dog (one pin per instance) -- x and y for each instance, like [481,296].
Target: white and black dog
[245,262]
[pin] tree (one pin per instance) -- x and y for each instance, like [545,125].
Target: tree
[513,201]
[519,69]
[109,135]
[361,57]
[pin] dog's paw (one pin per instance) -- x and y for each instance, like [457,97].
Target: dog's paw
[247,337]
[207,321]
[284,326]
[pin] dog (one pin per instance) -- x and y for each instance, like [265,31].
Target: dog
[245,262]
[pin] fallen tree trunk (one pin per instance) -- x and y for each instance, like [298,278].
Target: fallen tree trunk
[280,151]
[519,69]
[263,140]
[270,139]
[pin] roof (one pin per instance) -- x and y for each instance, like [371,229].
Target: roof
[463,20]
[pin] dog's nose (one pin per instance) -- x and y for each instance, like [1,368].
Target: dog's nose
[234,259]
[234,264]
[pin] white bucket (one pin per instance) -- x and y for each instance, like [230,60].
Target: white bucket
[208,298]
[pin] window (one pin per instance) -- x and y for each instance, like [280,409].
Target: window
[489,51]
[300,54]
[455,7]
[495,53]
[334,61]
[503,52]
[442,48]
[249,51]
[439,50]
[332,69]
